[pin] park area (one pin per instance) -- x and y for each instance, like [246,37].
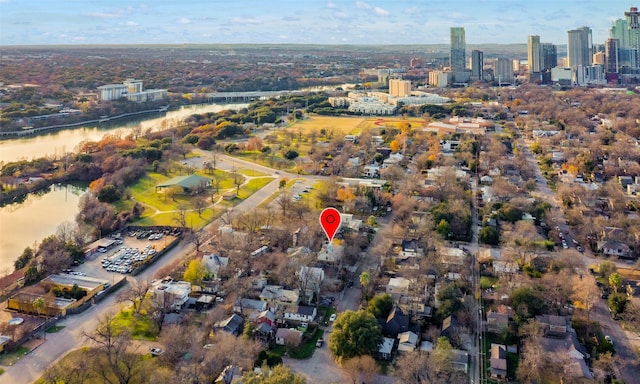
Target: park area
[174,205]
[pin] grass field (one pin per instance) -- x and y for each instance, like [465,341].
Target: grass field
[140,325]
[252,186]
[332,124]
[10,358]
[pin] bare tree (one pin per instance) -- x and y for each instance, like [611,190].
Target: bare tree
[117,363]
[284,202]
[136,293]
[180,216]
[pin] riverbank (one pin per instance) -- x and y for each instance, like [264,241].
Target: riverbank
[36,131]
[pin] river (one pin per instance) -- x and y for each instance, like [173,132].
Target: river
[25,224]
[67,140]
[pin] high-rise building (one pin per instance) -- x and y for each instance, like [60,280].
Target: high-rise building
[534,54]
[580,47]
[458,47]
[612,48]
[633,20]
[502,71]
[399,87]
[549,56]
[477,63]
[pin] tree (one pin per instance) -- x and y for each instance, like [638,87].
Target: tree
[173,191]
[24,258]
[617,303]
[279,374]
[355,334]
[117,363]
[291,154]
[109,194]
[365,279]
[200,204]
[358,365]
[380,305]
[615,281]
[489,235]
[38,305]
[195,272]
[135,294]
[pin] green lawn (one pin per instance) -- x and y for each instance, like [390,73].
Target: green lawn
[55,328]
[10,358]
[170,218]
[253,185]
[306,349]
[140,325]
[252,173]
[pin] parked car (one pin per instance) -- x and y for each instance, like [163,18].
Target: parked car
[333,317]
[609,339]
[156,351]
[319,342]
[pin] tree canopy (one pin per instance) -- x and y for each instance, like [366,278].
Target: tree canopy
[355,334]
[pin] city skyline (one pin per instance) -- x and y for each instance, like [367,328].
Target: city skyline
[41,22]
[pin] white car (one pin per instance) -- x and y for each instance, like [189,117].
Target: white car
[333,317]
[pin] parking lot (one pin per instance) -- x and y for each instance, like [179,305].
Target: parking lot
[130,251]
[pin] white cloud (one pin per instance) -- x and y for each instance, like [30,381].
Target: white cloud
[331,4]
[362,5]
[245,20]
[131,24]
[340,15]
[103,15]
[380,12]
[183,20]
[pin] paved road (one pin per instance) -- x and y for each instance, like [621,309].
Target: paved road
[31,367]
[628,364]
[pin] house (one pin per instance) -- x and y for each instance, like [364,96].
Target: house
[450,328]
[614,248]
[277,295]
[288,337]
[509,267]
[249,308]
[234,324]
[411,248]
[385,352]
[215,264]
[393,159]
[569,348]
[407,341]
[229,375]
[497,321]
[171,294]
[554,326]
[371,170]
[4,342]
[498,361]
[348,222]
[330,253]
[453,256]
[460,360]
[426,346]
[266,317]
[396,323]
[302,313]
[487,254]
[398,286]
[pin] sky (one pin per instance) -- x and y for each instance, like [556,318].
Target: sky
[54,22]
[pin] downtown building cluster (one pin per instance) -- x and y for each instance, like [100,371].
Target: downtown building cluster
[616,61]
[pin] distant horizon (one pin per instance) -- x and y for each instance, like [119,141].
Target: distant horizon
[312,22]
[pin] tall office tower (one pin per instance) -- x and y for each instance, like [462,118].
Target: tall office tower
[549,56]
[633,20]
[477,62]
[580,47]
[620,31]
[534,58]
[458,47]
[612,64]
[502,71]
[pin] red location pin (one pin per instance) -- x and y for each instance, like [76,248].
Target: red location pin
[330,220]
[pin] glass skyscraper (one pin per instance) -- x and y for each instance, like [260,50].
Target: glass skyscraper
[458,47]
